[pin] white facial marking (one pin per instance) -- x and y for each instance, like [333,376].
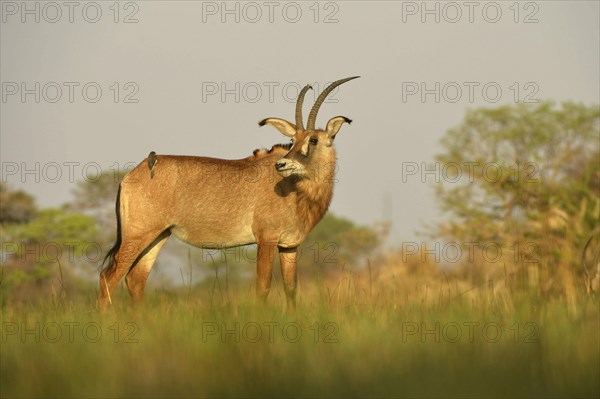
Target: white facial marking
[304,149]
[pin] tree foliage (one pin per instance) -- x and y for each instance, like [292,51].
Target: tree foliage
[42,246]
[337,240]
[524,172]
[15,206]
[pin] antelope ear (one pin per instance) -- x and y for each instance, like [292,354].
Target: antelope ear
[284,127]
[334,125]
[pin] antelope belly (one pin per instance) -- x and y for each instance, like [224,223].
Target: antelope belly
[214,236]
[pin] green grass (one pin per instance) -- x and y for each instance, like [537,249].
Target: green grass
[173,347]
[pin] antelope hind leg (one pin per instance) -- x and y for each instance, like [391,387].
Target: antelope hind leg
[138,274]
[126,257]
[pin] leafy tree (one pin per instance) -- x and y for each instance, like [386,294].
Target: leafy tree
[47,247]
[57,226]
[524,172]
[15,206]
[337,241]
[523,159]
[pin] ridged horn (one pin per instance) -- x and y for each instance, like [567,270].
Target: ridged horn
[299,123]
[312,117]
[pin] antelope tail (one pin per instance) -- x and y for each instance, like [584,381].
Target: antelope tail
[109,259]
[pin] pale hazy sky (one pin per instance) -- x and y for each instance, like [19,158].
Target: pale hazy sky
[178,53]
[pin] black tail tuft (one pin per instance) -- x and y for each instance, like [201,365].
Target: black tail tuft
[109,259]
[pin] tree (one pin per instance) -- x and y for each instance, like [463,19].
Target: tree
[524,173]
[15,206]
[337,241]
[38,246]
[46,249]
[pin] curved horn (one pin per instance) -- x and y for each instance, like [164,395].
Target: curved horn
[312,117]
[299,123]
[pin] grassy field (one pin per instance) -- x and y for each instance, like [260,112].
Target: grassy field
[345,339]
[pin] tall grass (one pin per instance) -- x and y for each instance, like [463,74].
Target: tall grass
[396,329]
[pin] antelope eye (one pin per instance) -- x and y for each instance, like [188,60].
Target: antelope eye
[313,140]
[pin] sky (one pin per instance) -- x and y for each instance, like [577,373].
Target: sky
[91,86]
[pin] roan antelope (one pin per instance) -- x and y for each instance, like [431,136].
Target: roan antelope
[216,203]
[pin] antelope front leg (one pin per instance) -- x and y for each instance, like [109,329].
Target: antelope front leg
[287,258]
[264,269]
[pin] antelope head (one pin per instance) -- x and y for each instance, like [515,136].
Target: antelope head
[311,149]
